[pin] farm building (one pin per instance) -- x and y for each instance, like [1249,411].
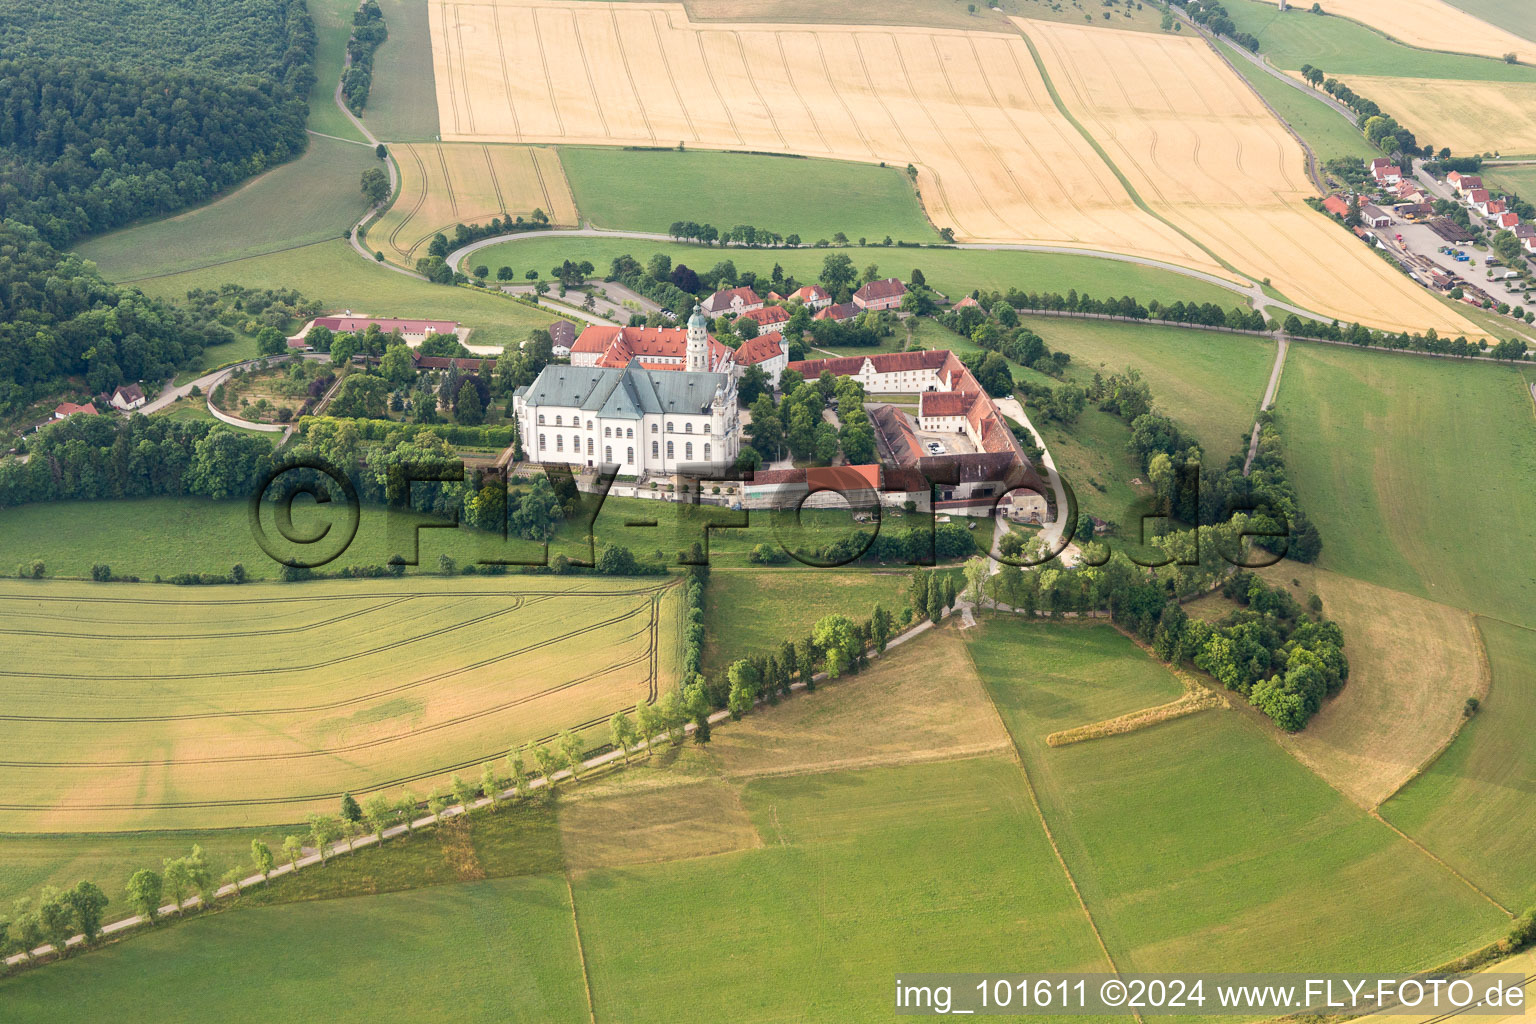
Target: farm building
[1414,211]
[413,331]
[885,294]
[1374,217]
[732,300]
[841,311]
[126,397]
[1337,206]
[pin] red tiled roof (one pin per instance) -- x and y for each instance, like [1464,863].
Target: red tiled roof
[888,288]
[388,325]
[1470,181]
[721,300]
[841,311]
[70,409]
[767,316]
[618,345]
[944,403]
[843,478]
[1477,195]
[1336,204]
[810,293]
[883,362]
[969,300]
[759,349]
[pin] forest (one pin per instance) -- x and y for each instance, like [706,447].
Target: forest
[171,105]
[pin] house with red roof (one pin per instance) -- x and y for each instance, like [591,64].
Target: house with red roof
[812,295]
[64,410]
[768,319]
[883,294]
[1464,183]
[969,300]
[731,300]
[1506,220]
[413,331]
[1387,174]
[841,311]
[1337,206]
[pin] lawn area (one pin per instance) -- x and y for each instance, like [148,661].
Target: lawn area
[1325,129]
[333,27]
[194,408]
[306,200]
[1377,445]
[509,945]
[1341,46]
[402,101]
[1199,844]
[954,272]
[1210,383]
[646,190]
[1092,458]
[1520,179]
[754,611]
[851,860]
[337,276]
[1469,805]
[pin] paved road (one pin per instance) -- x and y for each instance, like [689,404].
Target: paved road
[1269,400]
[206,382]
[1052,532]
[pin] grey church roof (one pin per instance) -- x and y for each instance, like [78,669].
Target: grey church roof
[627,393]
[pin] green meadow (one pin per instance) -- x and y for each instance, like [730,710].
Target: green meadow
[749,612]
[333,27]
[502,950]
[1200,844]
[402,101]
[1514,15]
[1418,473]
[341,279]
[1341,46]
[955,272]
[311,199]
[1473,804]
[647,190]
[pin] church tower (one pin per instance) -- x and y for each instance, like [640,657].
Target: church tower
[698,342]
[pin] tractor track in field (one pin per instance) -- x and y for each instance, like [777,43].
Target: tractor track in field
[671,78]
[421,198]
[344,702]
[629,75]
[442,161]
[313,666]
[342,597]
[586,67]
[538,173]
[177,638]
[298,755]
[490,167]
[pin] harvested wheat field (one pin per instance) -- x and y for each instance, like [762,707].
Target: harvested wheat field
[1469,117]
[1429,25]
[995,159]
[140,706]
[444,185]
[1412,665]
[1202,150]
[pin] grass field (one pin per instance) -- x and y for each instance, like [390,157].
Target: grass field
[333,27]
[647,190]
[1412,665]
[965,108]
[921,701]
[1520,180]
[1514,15]
[1417,473]
[509,947]
[445,185]
[1340,46]
[308,200]
[1092,458]
[1467,805]
[341,279]
[236,718]
[1327,131]
[851,860]
[1433,25]
[1239,858]
[1210,383]
[952,271]
[1238,188]
[1469,117]
[749,612]
[401,107]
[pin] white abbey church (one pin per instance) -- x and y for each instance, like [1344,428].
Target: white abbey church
[642,418]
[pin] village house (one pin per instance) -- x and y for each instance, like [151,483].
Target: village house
[812,296]
[732,300]
[64,410]
[1385,172]
[562,335]
[126,397]
[884,294]
[1506,220]
[1337,206]
[769,319]
[841,311]
[1464,183]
